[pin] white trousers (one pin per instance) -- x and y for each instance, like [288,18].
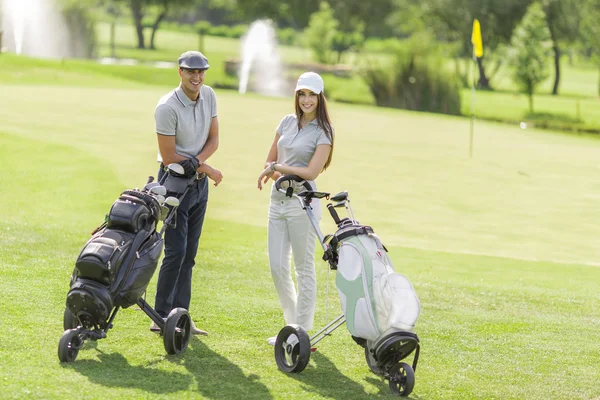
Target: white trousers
[290,232]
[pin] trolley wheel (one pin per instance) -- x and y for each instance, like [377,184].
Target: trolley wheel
[69,320]
[372,363]
[292,349]
[69,345]
[402,379]
[177,331]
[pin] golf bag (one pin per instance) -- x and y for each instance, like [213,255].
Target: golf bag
[375,300]
[117,263]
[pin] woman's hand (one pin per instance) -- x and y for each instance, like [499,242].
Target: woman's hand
[264,176]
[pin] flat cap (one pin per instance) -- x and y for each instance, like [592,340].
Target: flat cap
[193,60]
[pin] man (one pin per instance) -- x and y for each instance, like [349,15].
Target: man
[188,133]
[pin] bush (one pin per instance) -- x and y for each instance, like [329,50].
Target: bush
[415,80]
[81,25]
[320,32]
[287,36]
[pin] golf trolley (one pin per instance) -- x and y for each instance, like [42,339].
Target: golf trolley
[117,263]
[384,348]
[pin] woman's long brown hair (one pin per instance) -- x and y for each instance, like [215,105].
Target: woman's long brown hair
[322,120]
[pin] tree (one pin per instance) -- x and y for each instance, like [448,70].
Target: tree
[322,28]
[139,9]
[590,29]
[344,41]
[452,21]
[563,19]
[531,42]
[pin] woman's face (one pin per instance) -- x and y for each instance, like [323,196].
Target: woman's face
[308,101]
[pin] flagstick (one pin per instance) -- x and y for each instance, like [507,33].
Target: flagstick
[472,106]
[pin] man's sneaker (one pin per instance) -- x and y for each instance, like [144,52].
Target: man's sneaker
[272,340]
[196,331]
[154,326]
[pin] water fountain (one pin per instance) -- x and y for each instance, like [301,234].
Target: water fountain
[261,69]
[34,28]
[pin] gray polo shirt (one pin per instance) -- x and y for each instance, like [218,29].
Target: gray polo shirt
[189,121]
[297,147]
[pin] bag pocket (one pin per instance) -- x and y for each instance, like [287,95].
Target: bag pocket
[133,282]
[127,215]
[94,261]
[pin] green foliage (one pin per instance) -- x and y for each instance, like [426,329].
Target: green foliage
[590,29]
[415,80]
[320,33]
[531,44]
[81,24]
[202,27]
[345,41]
[287,36]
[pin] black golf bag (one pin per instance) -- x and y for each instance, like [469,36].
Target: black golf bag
[117,263]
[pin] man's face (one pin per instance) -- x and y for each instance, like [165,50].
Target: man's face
[192,79]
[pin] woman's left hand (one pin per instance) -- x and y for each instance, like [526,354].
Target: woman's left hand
[264,177]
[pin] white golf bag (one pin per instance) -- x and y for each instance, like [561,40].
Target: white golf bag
[375,300]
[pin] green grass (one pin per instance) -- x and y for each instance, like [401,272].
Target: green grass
[499,247]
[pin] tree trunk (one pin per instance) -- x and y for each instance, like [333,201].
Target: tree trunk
[556,68]
[201,42]
[484,82]
[136,12]
[113,52]
[159,19]
[531,103]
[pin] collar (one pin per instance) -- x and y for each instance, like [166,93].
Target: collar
[183,99]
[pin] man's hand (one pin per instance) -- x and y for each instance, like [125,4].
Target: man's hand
[215,175]
[190,166]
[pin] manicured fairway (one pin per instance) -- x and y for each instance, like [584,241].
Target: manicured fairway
[502,249]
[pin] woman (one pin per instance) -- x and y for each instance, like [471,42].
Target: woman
[303,146]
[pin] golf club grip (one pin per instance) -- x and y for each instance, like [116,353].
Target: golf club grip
[333,213]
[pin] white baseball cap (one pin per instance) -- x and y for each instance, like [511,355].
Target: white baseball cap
[311,81]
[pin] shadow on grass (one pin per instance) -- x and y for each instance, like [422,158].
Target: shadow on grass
[214,375]
[218,378]
[323,378]
[113,370]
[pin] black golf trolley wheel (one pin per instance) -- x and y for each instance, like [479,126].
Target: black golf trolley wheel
[69,345]
[292,349]
[177,331]
[402,379]
[372,363]
[69,320]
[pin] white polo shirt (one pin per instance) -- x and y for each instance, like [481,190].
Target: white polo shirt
[297,147]
[189,121]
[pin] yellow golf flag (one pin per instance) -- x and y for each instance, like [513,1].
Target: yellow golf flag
[476,39]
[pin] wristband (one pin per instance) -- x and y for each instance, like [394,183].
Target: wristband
[273,166]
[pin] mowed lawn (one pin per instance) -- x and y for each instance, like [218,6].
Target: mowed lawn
[502,249]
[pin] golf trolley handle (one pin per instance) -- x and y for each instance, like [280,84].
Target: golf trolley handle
[290,190]
[334,214]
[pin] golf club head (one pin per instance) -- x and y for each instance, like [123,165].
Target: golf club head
[160,198]
[341,196]
[158,190]
[176,168]
[340,204]
[164,211]
[172,201]
[150,186]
